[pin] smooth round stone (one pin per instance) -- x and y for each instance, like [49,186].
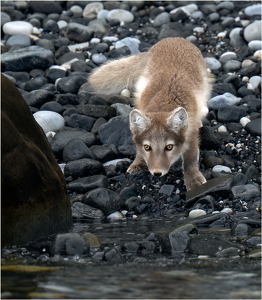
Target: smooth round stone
[116,216]
[191,38]
[227,210]
[161,19]
[19,39]
[253,10]
[4,18]
[227,56]
[95,41]
[255,45]
[49,120]
[197,15]
[251,32]
[246,62]
[221,168]
[222,100]
[190,8]
[61,24]
[226,5]
[255,81]
[131,43]
[98,58]
[213,17]
[222,34]
[243,121]
[236,39]
[18,27]
[196,213]
[121,15]
[199,29]
[92,8]
[212,63]
[125,93]
[75,9]
[102,14]
[258,54]
[222,128]
[232,66]
[110,39]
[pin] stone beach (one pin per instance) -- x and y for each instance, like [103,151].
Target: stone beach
[49,49]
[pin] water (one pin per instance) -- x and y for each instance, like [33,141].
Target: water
[139,276]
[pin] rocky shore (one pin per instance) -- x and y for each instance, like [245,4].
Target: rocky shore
[49,50]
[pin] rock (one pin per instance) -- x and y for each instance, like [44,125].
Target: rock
[4,18]
[99,58]
[66,134]
[244,121]
[99,122]
[232,66]
[78,32]
[206,203]
[70,84]
[254,127]
[226,210]
[251,32]
[86,184]
[45,8]
[31,206]
[104,199]
[17,27]
[253,10]
[255,81]
[241,230]
[102,153]
[70,244]
[245,192]
[80,121]
[240,179]
[229,5]
[49,120]
[231,251]
[223,100]
[255,45]
[133,202]
[38,98]
[214,17]
[178,15]
[53,106]
[217,187]
[212,63]
[98,111]
[128,192]
[82,167]
[76,149]
[173,29]
[221,88]
[251,70]
[209,139]
[167,189]
[210,220]
[55,72]
[161,19]
[116,216]
[196,213]
[220,168]
[93,240]
[227,56]
[179,241]
[65,99]
[35,83]
[231,113]
[122,109]
[116,131]
[236,39]
[92,9]
[131,43]
[19,39]
[252,172]
[121,15]
[81,211]
[102,14]
[113,256]
[254,241]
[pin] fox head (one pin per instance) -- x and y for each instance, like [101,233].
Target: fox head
[159,137]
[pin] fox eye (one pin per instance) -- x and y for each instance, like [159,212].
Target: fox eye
[169,147]
[147,147]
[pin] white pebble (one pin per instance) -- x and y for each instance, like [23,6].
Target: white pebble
[222,34]
[76,9]
[199,29]
[222,128]
[49,120]
[92,9]
[255,45]
[244,121]
[110,38]
[220,168]
[116,216]
[57,67]
[61,24]
[95,41]
[120,14]
[36,31]
[245,78]
[196,213]
[125,93]
[258,54]
[80,46]
[255,81]
[227,210]
[50,134]
[102,14]
[98,58]
[215,212]
[17,27]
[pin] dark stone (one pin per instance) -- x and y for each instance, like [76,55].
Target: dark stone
[240,179]
[53,74]
[132,247]
[244,91]
[254,127]
[128,192]
[179,241]
[101,47]
[96,100]
[45,7]
[211,161]
[78,32]
[113,256]
[252,172]
[102,153]
[167,189]
[233,127]
[133,202]
[104,199]
[234,80]
[86,184]
[251,70]
[116,131]
[221,88]
[35,84]
[20,77]
[98,123]
[36,73]
[64,99]
[241,229]
[76,149]
[206,203]
[83,97]
[245,192]
[70,84]
[38,98]
[69,56]
[70,244]
[61,51]
[98,111]
[207,220]
[118,99]
[231,113]
[32,57]
[45,43]
[82,168]
[217,187]
[50,25]
[81,211]
[32,207]
[79,66]
[80,121]
[53,106]
[66,134]
[179,15]
[69,112]
[148,247]
[173,29]
[209,139]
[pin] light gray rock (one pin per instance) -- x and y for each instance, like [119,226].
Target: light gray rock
[253,10]
[196,213]
[102,14]
[49,120]
[245,192]
[255,45]
[131,43]
[92,9]
[17,27]
[252,31]
[98,58]
[122,109]
[222,100]
[220,168]
[213,17]
[121,15]
[161,19]
[19,39]
[236,39]
[4,18]
[212,63]
[227,56]
[197,15]
[232,66]
[226,5]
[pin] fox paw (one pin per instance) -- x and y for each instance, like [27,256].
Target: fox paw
[134,168]
[194,181]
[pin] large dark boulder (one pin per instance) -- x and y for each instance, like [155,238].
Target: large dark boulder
[34,198]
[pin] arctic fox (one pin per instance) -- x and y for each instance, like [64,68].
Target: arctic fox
[171,87]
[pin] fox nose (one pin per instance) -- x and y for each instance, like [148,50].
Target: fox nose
[157,174]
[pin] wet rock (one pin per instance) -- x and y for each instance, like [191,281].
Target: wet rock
[245,192]
[82,168]
[86,184]
[71,244]
[76,149]
[64,99]
[93,240]
[231,113]
[81,211]
[132,203]
[240,179]
[206,203]
[231,251]
[19,39]
[78,32]
[104,199]
[52,74]
[254,241]
[35,83]
[253,31]
[132,247]
[113,256]
[196,213]
[241,230]
[128,192]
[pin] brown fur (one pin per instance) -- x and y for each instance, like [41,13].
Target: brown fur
[171,88]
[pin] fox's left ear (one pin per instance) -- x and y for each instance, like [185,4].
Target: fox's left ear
[178,119]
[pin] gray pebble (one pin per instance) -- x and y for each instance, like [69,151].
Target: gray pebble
[232,66]
[253,31]
[98,58]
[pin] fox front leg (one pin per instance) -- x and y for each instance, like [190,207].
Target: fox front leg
[137,165]
[192,175]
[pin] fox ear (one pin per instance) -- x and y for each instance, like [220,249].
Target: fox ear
[178,119]
[138,121]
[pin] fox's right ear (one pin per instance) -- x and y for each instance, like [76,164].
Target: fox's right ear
[138,121]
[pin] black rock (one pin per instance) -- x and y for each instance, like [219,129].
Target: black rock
[86,184]
[45,7]
[211,161]
[53,74]
[179,15]
[98,123]
[97,111]
[251,70]
[83,97]
[69,56]
[35,84]
[53,106]
[240,179]
[79,66]
[244,91]
[36,73]
[206,203]
[221,88]
[244,52]
[167,189]
[20,77]
[241,229]
[173,29]
[254,127]
[50,26]
[234,80]
[70,111]
[252,172]
[104,199]
[231,113]
[81,211]
[209,139]
[113,256]
[80,121]
[245,192]
[70,244]
[102,153]
[132,203]
[61,51]
[70,84]
[78,32]
[76,149]
[64,99]
[118,99]
[132,247]
[233,127]
[45,43]
[38,98]
[96,100]
[66,134]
